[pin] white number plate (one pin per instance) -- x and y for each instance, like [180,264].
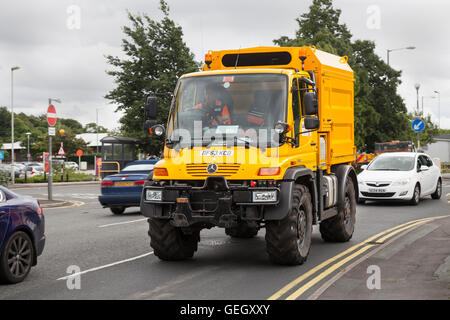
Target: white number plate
[377,190]
[216,153]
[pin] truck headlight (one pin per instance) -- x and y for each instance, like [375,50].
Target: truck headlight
[264,196]
[153,195]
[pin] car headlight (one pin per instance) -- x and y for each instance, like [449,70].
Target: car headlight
[402,182]
[153,195]
[264,196]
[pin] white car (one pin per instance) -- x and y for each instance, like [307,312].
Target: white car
[400,176]
[71,165]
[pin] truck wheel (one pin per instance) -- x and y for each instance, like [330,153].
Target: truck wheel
[340,227]
[438,192]
[288,240]
[117,210]
[170,243]
[242,230]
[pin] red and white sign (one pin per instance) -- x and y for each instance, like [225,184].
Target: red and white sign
[79,152]
[61,151]
[51,115]
[47,162]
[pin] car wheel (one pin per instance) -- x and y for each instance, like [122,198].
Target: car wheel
[17,258]
[437,194]
[118,210]
[416,196]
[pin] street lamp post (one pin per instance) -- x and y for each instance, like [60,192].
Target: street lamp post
[439,108]
[12,122]
[390,50]
[96,125]
[28,146]
[417,86]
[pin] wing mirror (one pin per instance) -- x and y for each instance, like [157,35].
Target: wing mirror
[424,168]
[151,108]
[310,103]
[364,167]
[312,123]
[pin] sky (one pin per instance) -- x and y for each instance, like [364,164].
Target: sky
[60,45]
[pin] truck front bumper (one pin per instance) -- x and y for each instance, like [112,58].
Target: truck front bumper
[216,203]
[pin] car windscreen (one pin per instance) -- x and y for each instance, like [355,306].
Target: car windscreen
[392,163]
[138,167]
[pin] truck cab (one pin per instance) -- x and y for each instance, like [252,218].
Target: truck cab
[261,137]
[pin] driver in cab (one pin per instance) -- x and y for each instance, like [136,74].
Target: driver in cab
[217,111]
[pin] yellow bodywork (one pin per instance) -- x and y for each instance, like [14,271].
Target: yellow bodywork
[332,144]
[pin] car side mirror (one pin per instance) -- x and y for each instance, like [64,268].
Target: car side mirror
[424,168]
[364,167]
[151,108]
[310,103]
[312,123]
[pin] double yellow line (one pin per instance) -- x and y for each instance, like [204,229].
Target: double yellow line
[377,239]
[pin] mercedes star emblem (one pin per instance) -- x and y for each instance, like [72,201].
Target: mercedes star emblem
[211,168]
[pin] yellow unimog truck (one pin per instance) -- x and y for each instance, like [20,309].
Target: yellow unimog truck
[260,138]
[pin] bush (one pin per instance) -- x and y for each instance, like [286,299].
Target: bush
[4,178]
[73,177]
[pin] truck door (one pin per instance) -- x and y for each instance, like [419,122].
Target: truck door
[306,139]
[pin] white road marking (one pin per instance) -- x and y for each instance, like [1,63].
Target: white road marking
[105,266]
[119,223]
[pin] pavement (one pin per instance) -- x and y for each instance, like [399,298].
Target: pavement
[45,203]
[416,266]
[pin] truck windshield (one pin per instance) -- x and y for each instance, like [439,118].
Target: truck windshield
[224,109]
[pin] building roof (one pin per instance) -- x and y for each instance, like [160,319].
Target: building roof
[91,138]
[113,139]
[17,146]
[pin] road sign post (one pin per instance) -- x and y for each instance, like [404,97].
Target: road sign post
[418,125]
[51,119]
[79,154]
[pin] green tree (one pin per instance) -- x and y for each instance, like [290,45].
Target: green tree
[92,128]
[156,56]
[380,113]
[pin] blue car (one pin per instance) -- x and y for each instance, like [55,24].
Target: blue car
[124,189]
[22,236]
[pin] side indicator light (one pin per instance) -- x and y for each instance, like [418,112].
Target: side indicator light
[271,171]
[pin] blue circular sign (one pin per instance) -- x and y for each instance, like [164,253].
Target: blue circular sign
[418,125]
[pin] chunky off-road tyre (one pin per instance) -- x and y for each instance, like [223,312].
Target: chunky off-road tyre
[17,258]
[117,210]
[288,240]
[340,227]
[170,243]
[416,196]
[242,230]
[438,192]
